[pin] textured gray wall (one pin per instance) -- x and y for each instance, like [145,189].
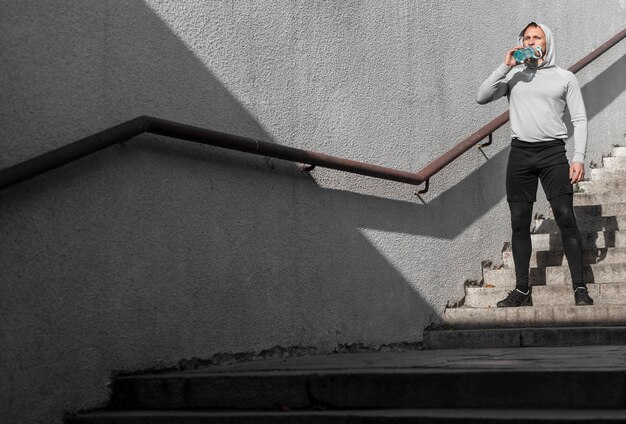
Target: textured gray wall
[157,250]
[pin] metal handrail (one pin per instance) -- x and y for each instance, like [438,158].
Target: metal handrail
[147,124]
[308,160]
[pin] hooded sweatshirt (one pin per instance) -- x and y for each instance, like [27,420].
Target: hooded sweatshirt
[538,96]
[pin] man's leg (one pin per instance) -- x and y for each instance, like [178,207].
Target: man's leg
[563,210]
[521,215]
[556,184]
[521,189]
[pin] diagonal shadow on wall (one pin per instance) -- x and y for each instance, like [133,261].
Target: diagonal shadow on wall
[607,86]
[380,213]
[134,257]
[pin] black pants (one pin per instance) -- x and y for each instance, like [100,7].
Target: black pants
[528,163]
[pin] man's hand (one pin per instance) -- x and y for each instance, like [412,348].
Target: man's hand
[508,59]
[576,172]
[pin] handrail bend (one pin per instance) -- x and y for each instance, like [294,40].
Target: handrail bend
[146,124]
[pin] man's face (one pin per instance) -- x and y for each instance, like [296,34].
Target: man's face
[533,37]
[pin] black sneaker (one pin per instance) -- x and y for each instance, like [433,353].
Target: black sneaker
[581,295]
[516,298]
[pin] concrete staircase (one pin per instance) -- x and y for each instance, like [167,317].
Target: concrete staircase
[536,385]
[554,320]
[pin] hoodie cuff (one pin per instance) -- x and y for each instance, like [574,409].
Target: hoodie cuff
[578,157]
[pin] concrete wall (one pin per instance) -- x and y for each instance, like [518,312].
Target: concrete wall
[158,250]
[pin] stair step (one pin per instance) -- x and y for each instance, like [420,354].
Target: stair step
[602,186]
[369,387]
[544,258]
[389,416]
[619,151]
[524,337]
[612,163]
[598,174]
[596,273]
[385,386]
[484,297]
[535,316]
[607,209]
[586,224]
[557,275]
[584,199]
[602,294]
[504,278]
[593,240]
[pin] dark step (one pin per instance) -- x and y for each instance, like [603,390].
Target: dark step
[524,337]
[376,388]
[393,416]
[557,384]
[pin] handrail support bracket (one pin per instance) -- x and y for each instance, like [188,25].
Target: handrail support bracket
[480,146]
[305,167]
[425,189]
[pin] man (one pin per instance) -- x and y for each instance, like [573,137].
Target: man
[538,92]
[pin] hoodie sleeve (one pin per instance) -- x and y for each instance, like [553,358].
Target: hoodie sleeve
[495,86]
[578,114]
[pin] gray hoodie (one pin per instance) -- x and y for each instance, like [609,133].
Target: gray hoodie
[538,96]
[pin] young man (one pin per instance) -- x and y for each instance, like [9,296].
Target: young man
[538,92]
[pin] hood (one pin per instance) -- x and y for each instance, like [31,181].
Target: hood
[549,55]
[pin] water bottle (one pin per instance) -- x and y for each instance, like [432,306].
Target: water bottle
[526,53]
